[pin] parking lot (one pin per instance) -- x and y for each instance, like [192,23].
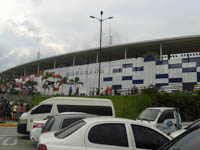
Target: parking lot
[10,140]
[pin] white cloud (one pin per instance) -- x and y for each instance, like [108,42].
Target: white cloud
[62,26]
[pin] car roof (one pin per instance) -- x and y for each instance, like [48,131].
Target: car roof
[75,98]
[162,108]
[112,119]
[74,115]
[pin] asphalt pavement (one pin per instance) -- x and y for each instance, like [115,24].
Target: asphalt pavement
[11,140]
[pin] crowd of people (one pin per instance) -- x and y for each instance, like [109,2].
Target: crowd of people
[11,111]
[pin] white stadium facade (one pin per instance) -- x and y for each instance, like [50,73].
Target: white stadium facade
[155,62]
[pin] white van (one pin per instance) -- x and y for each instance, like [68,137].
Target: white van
[57,105]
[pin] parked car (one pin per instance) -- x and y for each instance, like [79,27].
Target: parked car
[57,105]
[167,119]
[36,130]
[189,140]
[177,133]
[104,133]
[55,123]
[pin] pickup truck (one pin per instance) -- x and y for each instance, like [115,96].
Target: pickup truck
[167,119]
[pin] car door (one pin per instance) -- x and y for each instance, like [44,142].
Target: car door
[146,138]
[167,121]
[108,136]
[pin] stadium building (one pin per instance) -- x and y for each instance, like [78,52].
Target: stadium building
[158,62]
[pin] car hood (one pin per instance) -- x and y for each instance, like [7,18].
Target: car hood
[151,123]
[46,138]
[177,133]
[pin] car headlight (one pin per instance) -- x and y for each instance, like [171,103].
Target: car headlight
[23,121]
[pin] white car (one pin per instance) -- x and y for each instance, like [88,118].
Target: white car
[104,133]
[36,130]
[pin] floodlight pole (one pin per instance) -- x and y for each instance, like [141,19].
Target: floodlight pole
[99,52]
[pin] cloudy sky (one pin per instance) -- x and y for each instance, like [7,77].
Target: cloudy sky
[59,26]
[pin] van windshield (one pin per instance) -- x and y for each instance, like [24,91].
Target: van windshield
[149,114]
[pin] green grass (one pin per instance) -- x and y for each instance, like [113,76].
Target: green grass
[125,106]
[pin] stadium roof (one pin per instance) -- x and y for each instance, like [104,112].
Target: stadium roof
[175,45]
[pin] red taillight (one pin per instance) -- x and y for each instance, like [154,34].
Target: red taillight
[38,125]
[47,131]
[42,147]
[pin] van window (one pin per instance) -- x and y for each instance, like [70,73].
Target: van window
[167,114]
[42,109]
[97,110]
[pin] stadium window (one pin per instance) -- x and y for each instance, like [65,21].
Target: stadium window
[117,70]
[107,79]
[127,65]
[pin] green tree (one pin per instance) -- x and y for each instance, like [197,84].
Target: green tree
[30,83]
[47,84]
[75,82]
[62,81]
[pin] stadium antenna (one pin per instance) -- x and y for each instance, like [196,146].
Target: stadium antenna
[110,35]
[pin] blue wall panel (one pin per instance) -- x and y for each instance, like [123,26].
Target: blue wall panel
[194,59]
[175,80]
[198,76]
[117,70]
[138,81]
[116,86]
[162,62]
[107,79]
[127,65]
[175,66]
[191,69]
[161,76]
[127,78]
[138,69]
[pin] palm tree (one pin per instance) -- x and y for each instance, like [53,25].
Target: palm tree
[62,81]
[75,82]
[30,84]
[47,83]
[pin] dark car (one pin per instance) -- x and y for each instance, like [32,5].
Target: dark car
[189,140]
[58,122]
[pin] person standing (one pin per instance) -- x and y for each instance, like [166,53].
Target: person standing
[70,91]
[107,91]
[110,91]
[77,91]
[15,108]
[8,111]
[21,109]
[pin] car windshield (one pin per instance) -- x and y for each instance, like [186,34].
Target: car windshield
[149,114]
[48,124]
[69,129]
